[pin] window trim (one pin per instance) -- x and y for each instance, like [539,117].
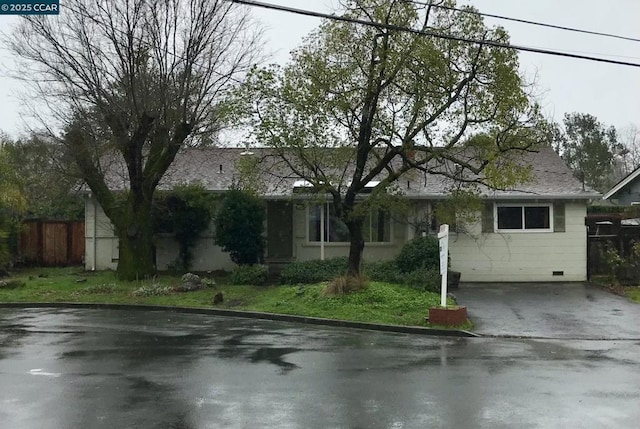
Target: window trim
[523,230]
[308,209]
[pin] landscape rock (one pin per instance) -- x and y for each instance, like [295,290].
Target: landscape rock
[191,282]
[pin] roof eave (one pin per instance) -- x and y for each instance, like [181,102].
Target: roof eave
[621,184]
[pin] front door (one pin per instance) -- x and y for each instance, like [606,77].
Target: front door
[279,230]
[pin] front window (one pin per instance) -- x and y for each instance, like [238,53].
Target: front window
[376,228]
[523,217]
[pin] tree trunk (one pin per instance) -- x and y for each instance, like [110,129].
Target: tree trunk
[356,248]
[136,255]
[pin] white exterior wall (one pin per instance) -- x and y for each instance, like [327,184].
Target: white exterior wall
[481,257]
[207,256]
[523,256]
[101,245]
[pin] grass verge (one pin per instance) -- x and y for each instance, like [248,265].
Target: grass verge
[634,294]
[379,303]
[631,292]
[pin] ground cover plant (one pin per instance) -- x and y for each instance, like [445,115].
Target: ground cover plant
[634,294]
[380,302]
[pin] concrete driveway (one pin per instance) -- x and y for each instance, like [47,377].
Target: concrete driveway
[549,310]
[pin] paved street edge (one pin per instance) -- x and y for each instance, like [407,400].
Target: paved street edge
[255,315]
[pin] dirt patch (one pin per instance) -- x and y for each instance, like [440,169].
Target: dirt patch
[615,289]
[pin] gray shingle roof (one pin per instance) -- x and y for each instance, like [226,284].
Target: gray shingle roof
[216,169]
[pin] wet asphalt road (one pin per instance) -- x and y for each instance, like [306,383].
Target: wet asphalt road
[128,369]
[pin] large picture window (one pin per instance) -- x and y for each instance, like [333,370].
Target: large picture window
[528,217]
[377,226]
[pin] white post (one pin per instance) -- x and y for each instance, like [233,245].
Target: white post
[443,239]
[322,220]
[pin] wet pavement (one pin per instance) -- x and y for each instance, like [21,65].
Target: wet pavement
[549,310]
[79,368]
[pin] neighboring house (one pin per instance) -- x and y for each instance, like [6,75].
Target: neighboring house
[627,191]
[535,233]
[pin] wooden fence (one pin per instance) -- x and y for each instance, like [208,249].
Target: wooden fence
[52,243]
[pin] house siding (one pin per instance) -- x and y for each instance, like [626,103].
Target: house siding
[526,256]
[480,257]
[101,245]
[207,256]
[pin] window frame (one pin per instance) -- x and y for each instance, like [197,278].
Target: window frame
[524,229]
[368,241]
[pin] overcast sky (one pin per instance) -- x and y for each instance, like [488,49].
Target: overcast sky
[610,92]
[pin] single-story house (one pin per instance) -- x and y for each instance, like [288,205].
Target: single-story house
[627,191]
[534,233]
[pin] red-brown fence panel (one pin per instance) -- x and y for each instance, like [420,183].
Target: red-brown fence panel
[52,243]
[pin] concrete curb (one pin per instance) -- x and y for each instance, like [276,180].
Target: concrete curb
[254,315]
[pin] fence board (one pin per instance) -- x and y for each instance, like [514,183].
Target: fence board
[52,243]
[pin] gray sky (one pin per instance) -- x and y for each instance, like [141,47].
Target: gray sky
[610,92]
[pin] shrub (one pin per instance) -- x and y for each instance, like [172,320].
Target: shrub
[423,279]
[310,272]
[344,284]
[249,275]
[240,227]
[421,252]
[427,279]
[383,271]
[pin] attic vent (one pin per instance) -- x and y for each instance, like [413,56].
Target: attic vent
[220,171]
[558,273]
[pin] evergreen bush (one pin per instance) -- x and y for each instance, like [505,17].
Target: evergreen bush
[240,227]
[315,271]
[254,275]
[420,252]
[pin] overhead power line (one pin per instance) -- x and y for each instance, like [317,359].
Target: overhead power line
[525,21]
[431,33]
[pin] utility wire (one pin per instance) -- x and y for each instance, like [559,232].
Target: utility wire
[430,33]
[525,21]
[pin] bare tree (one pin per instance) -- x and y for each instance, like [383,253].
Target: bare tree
[133,82]
[629,149]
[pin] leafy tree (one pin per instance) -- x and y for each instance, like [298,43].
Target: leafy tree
[131,83]
[186,211]
[360,106]
[12,202]
[587,146]
[49,187]
[240,227]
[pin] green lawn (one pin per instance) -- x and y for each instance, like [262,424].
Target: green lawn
[380,303]
[634,294]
